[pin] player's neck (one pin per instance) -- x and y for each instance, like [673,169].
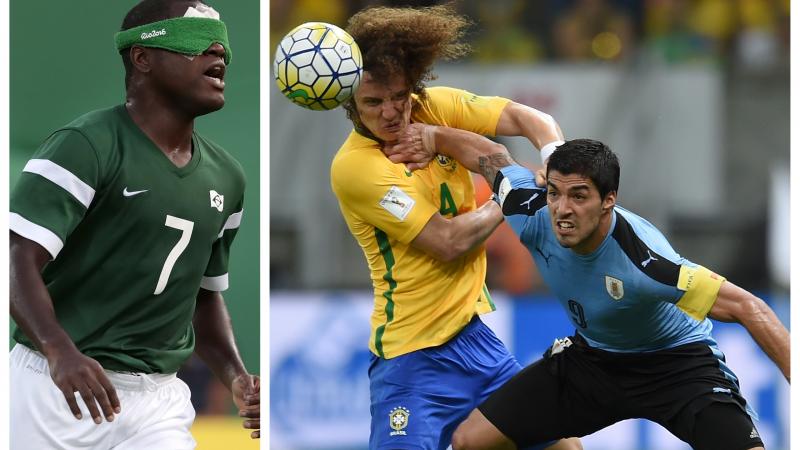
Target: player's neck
[170,130]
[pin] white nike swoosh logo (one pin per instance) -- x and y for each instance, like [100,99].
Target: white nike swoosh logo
[128,193]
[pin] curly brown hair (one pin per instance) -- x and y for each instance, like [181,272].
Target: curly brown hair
[406,41]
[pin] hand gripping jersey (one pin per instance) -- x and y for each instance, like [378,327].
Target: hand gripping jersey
[419,302]
[634,293]
[132,237]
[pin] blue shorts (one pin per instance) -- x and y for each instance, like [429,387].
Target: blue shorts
[418,399]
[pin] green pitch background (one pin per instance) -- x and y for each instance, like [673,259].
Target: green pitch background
[64,64]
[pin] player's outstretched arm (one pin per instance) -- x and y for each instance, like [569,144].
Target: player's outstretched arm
[540,128]
[215,344]
[521,120]
[447,239]
[32,309]
[735,304]
[419,143]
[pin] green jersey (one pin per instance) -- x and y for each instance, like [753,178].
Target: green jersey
[133,237]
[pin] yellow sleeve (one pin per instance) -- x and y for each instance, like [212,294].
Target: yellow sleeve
[701,287]
[457,108]
[374,190]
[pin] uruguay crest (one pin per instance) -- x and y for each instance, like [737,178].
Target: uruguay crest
[398,420]
[614,288]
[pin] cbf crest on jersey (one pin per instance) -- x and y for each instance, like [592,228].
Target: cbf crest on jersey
[217,199]
[448,163]
[398,420]
[614,288]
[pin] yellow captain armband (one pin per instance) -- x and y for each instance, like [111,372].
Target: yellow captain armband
[701,287]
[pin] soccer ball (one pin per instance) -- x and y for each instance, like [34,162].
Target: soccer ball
[317,66]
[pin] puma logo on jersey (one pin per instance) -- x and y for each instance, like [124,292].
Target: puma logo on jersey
[528,202]
[648,260]
[559,345]
[128,193]
[546,257]
[217,200]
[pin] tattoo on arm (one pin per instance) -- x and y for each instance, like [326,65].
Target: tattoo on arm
[490,165]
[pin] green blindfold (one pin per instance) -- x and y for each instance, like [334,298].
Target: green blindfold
[187,35]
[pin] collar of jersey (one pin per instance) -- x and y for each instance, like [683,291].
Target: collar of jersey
[165,162]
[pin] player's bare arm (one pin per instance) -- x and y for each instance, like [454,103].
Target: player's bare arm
[32,309]
[215,344]
[735,304]
[489,165]
[419,143]
[538,127]
[447,239]
[521,120]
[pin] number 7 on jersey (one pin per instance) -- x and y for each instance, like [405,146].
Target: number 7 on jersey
[186,227]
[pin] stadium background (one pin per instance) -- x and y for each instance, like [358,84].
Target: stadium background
[63,64]
[693,95]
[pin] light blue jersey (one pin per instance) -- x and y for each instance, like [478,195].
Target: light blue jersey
[634,293]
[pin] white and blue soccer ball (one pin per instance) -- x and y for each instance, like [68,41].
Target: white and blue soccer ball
[317,66]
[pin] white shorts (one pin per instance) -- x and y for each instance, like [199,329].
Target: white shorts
[156,411]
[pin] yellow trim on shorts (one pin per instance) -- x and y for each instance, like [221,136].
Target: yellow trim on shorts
[701,286]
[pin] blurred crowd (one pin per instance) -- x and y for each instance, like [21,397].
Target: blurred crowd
[748,33]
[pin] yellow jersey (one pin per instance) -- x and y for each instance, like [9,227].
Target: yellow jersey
[419,301]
